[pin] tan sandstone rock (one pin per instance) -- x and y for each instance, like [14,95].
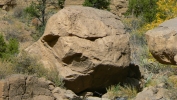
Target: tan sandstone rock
[7,4]
[89,48]
[154,93]
[118,7]
[24,87]
[74,2]
[162,42]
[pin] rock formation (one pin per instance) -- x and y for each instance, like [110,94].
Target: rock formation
[7,4]
[73,2]
[89,47]
[162,42]
[117,7]
[152,93]
[23,87]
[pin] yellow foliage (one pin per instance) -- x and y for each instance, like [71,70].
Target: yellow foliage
[167,9]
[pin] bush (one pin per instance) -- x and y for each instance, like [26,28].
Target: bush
[18,12]
[61,3]
[39,32]
[26,64]
[6,69]
[100,4]
[53,76]
[9,49]
[3,46]
[145,8]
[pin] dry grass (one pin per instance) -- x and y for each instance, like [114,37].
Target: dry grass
[6,69]
[121,91]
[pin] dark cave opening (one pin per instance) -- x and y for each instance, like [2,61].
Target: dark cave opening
[51,39]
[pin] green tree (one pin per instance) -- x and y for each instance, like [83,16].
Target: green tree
[37,10]
[100,4]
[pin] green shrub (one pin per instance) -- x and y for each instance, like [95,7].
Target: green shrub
[13,47]
[146,8]
[61,3]
[100,4]
[3,46]
[9,49]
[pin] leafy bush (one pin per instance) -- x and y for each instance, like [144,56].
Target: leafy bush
[8,49]
[61,3]
[100,4]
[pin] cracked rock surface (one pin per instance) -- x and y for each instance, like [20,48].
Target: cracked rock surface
[89,48]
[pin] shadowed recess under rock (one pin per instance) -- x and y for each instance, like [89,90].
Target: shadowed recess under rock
[51,39]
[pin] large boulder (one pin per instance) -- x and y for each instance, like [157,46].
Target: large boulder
[162,42]
[89,48]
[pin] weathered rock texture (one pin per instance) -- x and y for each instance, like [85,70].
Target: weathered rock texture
[162,42]
[74,2]
[23,87]
[117,7]
[7,4]
[89,47]
[152,93]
